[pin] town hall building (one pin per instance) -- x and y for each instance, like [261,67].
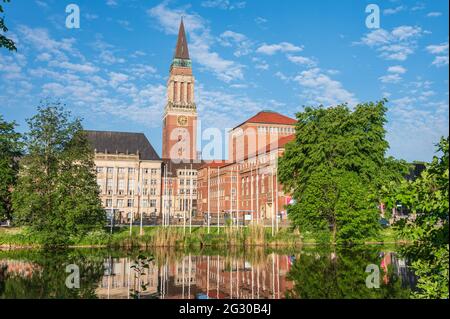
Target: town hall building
[179,186]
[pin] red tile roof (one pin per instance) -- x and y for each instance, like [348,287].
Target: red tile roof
[269,117]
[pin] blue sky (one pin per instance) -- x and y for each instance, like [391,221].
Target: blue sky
[248,55]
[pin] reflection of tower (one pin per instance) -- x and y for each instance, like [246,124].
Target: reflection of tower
[180,114]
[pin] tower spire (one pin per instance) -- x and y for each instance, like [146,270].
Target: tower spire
[181,50]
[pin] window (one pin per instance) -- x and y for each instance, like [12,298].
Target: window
[181,181]
[153,191]
[145,181]
[130,203]
[109,183]
[121,170]
[99,169]
[154,171]
[109,170]
[144,191]
[153,182]
[109,203]
[152,202]
[130,170]
[120,203]
[121,184]
[145,203]
[145,171]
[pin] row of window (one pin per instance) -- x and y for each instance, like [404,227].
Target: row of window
[193,182]
[122,170]
[187,173]
[130,203]
[280,130]
[187,191]
[121,183]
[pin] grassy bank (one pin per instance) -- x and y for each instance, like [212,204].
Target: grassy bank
[177,237]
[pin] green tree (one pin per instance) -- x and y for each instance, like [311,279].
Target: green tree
[4,41]
[57,193]
[427,199]
[335,168]
[10,151]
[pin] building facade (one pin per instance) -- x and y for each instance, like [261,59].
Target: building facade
[128,174]
[248,190]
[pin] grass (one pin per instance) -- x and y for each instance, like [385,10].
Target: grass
[177,237]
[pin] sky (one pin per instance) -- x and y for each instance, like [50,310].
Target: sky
[248,56]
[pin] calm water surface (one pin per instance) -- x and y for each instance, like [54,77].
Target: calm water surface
[310,272]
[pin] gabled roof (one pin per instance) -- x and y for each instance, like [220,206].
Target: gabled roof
[181,50]
[122,142]
[270,117]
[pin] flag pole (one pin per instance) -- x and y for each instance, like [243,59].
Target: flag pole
[218,200]
[190,201]
[209,203]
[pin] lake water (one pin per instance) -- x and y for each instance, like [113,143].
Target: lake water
[255,273]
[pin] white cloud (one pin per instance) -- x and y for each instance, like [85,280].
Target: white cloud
[107,52]
[390,78]
[319,88]
[223,4]
[260,20]
[117,78]
[271,49]
[260,64]
[397,69]
[395,10]
[301,60]
[41,4]
[200,42]
[441,54]
[440,61]
[125,24]
[398,44]
[434,14]
[238,40]
[81,68]
[438,49]
[112,3]
[90,16]
[405,32]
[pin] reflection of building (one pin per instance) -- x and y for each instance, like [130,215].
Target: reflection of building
[19,268]
[120,280]
[225,278]
[192,276]
[392,264]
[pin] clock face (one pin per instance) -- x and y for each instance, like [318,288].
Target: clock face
[182,120]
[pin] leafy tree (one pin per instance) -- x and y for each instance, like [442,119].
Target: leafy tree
[10,150]
[335,168]
[57,193]
[427,199]
[4,41]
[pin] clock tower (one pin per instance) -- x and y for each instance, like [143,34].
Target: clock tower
[180,114]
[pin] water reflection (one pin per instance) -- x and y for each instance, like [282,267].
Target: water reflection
[312,272]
